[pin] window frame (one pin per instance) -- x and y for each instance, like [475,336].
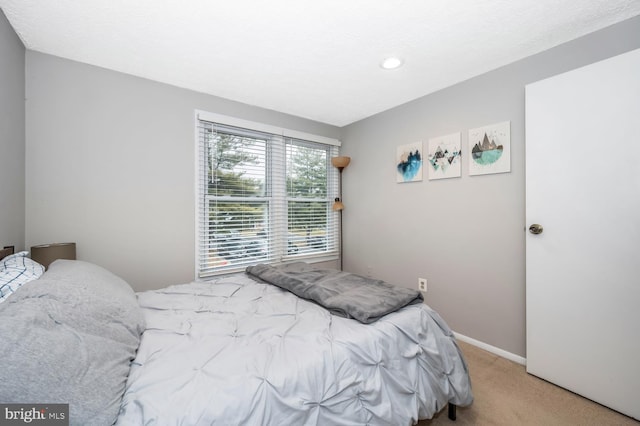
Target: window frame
[282,137]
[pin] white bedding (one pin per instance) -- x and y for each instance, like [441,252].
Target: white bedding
[238,352]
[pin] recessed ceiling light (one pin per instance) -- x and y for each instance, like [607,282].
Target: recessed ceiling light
[391,63]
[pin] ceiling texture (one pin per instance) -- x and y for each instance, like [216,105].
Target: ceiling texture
[314,59]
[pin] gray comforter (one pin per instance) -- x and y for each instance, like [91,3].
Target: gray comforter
[237,351]
[342,293]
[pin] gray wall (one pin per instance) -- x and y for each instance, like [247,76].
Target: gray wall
[12,145]
[111,165]
[466,235]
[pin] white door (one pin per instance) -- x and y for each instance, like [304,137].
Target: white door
[583,270]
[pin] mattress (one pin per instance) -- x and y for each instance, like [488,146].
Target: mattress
[235,351]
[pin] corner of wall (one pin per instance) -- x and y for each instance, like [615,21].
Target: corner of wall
[12,136]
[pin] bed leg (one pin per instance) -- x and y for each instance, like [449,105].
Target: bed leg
[452,412]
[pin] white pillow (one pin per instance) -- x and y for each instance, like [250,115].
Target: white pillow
[16,270]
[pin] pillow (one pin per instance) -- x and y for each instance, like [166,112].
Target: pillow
[17,270]
[70,340]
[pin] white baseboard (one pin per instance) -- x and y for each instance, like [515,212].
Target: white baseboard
[497,351]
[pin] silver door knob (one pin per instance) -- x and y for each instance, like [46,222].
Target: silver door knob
[536,229]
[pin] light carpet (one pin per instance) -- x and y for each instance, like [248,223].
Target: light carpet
[506,395]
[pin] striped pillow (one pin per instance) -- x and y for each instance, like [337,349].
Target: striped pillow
[16,270]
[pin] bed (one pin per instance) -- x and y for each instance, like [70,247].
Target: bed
[234,350]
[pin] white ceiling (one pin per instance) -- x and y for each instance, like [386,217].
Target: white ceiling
[313,59]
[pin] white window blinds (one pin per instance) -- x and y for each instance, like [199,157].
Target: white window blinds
[262,198]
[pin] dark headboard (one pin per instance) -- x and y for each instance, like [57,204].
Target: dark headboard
[6,251]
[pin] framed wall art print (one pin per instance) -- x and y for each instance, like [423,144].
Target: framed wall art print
[490,149]
[444,157]
[409,163]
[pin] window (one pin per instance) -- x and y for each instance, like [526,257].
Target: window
[263,197]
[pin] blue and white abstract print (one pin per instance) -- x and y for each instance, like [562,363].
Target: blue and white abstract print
[409,162]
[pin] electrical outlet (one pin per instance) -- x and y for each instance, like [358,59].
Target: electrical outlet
[422,284]
[369,271]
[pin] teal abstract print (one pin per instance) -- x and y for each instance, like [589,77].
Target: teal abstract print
[409,163]
[444,157]
[490,148]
